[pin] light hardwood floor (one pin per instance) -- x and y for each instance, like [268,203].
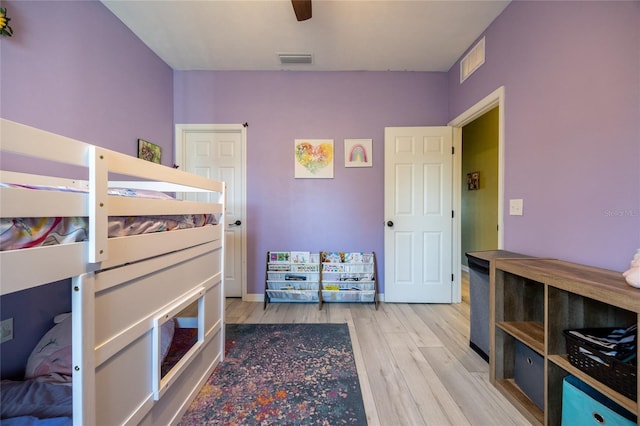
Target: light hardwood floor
[414,361]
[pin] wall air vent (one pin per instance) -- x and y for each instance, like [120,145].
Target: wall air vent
[295,58]
[472,60]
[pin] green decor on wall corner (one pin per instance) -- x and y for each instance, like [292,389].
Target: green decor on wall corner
[5,29]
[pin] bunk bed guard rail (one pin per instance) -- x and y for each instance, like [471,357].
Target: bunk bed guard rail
[100,162]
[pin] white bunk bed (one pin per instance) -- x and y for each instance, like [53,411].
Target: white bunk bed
[125,288]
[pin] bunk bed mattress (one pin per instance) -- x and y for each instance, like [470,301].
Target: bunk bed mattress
[20,233]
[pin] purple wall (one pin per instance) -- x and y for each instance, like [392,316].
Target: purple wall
[283,213]
[571,72]
[73,68]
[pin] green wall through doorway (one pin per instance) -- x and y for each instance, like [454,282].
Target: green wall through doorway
[479,221]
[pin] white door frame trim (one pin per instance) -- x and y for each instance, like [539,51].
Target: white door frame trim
[179,152]
[496,98]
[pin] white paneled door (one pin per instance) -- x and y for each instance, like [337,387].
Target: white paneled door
[418,200]
[216,152]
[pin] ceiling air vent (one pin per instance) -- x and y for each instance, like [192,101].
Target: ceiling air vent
[295,58]
[472,60]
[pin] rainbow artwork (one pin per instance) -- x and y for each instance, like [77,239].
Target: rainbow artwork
[357,152]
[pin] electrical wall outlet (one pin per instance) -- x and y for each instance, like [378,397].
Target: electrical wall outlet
[6,330]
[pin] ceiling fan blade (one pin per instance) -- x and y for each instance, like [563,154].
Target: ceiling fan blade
[302,8]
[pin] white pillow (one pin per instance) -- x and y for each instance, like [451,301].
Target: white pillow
[166,337]
[52,355]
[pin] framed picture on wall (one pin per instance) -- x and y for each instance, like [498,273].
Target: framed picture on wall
[149,151]
[473,181]
[358,153]
[313,158]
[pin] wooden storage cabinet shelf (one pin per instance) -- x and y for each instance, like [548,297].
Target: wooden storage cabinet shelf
[510,389]
[563,363]
[532,302]
[528,332]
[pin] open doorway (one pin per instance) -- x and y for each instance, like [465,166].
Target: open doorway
[491,101]
[479,192]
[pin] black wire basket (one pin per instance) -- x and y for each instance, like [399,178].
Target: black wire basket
[618,374]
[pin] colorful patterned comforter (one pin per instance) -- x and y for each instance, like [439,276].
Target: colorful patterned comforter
[19,233]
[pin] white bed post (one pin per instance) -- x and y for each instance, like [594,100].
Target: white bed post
[223,220]
[98,198]
[83,349]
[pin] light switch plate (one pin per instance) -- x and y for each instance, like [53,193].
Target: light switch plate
[515,207]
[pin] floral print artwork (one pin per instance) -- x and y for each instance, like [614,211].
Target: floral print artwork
[313,158]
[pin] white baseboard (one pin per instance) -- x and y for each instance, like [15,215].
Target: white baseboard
[253,297]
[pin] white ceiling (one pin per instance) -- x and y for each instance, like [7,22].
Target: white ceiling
[342,35]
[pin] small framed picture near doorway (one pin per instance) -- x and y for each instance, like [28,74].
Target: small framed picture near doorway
[473,181]
[357,153]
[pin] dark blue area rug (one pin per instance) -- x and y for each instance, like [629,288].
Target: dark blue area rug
[282,374]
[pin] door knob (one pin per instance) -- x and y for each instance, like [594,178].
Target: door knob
[236,223]
[390,224]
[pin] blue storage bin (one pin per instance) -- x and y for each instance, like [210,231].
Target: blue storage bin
[529,373]
[582,405]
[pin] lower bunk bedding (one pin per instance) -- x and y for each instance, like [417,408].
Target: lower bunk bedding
[35,402]
[45,397]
